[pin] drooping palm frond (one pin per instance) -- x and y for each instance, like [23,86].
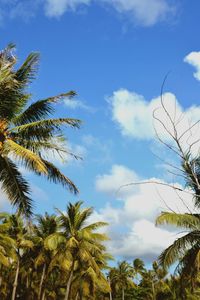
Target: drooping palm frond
[15,186]
[188,221]
[55,147]
[29,158]
[178,249]
[189,265]
[54,175]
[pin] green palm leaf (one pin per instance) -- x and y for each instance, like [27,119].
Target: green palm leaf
[26,73]
[40,109]
[28,157]
[15,186]
[188,221]
[177,250]
[54,175]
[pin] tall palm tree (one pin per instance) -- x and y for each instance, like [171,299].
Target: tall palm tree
[121,277]
[186,249]
[80,244]
[7,244]
[19,233]
[138,267]
[27,132]
[46,226]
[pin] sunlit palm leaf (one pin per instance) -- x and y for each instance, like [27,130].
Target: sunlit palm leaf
[188,221]
[29,158]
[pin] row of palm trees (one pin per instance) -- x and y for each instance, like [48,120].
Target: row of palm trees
[63,256]
[130,281]
[59,256]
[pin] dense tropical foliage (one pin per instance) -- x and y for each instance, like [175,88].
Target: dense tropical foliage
[54,257]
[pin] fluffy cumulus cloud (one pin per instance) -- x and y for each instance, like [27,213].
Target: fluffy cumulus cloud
[132,226]
[193,59]
[134,116]
[118,176]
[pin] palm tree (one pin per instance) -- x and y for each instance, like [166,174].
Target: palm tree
[26,132]
[46,225]
[7,244]
[80,244]
[138,267]
[121,277]
[186,249]
[19,233]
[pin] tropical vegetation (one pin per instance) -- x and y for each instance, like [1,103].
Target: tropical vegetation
[64,255]
[27,133]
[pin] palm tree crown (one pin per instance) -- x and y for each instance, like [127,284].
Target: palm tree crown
[26,132]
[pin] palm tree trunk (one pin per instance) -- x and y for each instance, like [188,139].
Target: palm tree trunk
[43,295]
[41,281]
[110,295]
[69,283]
[122,294]
[15,282]
[77,296]
[153,290]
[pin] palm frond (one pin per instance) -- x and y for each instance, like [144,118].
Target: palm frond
[26,73]
[189,264]
[44,129]
[178,249]
[29,158]
[40,109]
[95,226]
[15,187]
[188,221]
[54,175]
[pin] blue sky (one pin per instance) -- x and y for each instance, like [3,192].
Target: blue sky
[114,54]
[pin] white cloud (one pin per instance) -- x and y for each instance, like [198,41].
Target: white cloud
[75,104]
[56,8]
[145,12]
[193,59]
[142,12]
[132,227]
[134,115]
[144,240]
[110,183]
